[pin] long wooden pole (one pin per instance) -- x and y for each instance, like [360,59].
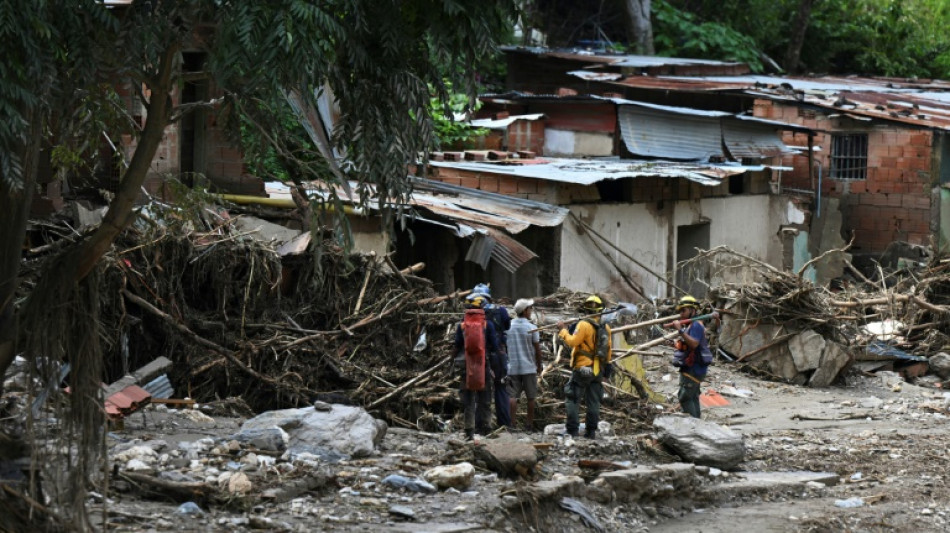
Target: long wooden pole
[625,254]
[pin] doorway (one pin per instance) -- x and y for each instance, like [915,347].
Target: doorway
[693,277]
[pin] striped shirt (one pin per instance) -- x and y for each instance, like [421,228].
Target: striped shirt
[521,347]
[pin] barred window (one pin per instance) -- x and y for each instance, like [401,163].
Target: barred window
[849,156]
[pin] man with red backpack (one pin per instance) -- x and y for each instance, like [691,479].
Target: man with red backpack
[475,342]
[692,354]
[501,320]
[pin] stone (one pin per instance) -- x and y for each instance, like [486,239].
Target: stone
[458,476]
[806,349]
[508,457]
[343,431]
[940,364]
[136,465]
[557,487]
[272,439]
[144,454]
[238,483]
[195,416]
[701,442]
[833,360]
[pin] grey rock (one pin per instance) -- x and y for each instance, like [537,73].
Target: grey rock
[508,457]
[806,349]
[263,438]
[402,512]
[701,442]
[344,431]
[458,476]
[940,364]
[833,361]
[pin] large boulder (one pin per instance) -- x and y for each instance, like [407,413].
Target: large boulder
[508,457]
[940,364]
[458,476]
[342,430]
[701,442]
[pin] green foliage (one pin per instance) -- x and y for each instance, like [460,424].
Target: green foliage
[448,131]
[679,34]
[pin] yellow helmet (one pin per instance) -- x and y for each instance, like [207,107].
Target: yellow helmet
[475,302]
[593,303]
[687,301]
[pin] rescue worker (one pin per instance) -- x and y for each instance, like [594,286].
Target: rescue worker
[692,355]
[499,317]
[586,368]
[524,345]
[476,403]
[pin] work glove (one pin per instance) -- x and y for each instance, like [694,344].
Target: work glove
[586,371]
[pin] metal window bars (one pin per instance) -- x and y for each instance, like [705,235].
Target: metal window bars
[849,156]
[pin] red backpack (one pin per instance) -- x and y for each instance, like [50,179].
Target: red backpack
[473,329]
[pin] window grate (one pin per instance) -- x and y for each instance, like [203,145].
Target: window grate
[849,156]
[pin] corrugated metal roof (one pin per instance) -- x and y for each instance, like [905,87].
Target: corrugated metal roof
[653,133]
[876,98]
[747,139]
[459,201]
[590,171]
[503,123]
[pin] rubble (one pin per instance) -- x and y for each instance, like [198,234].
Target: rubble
[701,442]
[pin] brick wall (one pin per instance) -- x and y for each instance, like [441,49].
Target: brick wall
[527,188]
[893,202]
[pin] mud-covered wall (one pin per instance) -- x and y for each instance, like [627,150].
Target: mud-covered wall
[648,232]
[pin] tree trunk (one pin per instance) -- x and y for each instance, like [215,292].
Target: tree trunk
[120,209]
[797,39]
[640,26]
[16,202]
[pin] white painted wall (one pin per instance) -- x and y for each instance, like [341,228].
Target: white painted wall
[747,224]
[566,143]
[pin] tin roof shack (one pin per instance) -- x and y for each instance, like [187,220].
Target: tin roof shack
[464,236]
[633,220]
[881,145]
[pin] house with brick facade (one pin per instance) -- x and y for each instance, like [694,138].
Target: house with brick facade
[877,148]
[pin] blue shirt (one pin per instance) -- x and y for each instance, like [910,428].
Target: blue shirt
[521,347]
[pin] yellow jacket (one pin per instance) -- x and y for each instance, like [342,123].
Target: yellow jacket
[583,343]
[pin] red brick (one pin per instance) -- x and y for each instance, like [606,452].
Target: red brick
[489,183]
[507,185]
[920,139]
[471,183]
[527,185]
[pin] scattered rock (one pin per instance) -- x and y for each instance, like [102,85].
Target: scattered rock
[507,457]
[272,439]
[457,476]
[701,442]
[402,511]
[238,483]
[343,430]
[940,364]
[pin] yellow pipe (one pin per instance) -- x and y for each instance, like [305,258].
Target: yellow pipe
[286,203]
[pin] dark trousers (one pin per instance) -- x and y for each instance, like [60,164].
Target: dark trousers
[477,405]
[502,404]
[689,395]
[588,390]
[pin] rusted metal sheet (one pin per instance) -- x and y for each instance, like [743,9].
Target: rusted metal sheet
[653,133]
[751,140]
[531,212]
[505,250]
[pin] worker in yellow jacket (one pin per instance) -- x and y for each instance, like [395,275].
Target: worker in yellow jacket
[590,356]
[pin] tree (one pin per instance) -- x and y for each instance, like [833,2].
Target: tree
[793,54]
[641,29]
[377,56]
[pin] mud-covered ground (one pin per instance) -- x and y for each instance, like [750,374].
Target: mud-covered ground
[886,441]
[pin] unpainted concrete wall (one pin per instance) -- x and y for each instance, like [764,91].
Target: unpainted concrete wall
[747,224]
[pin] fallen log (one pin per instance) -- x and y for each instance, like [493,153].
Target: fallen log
[179,491]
